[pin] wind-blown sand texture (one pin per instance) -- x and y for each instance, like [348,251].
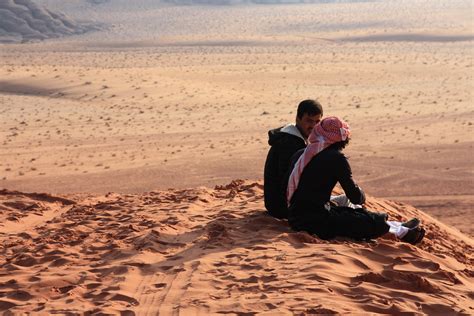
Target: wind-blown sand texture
[215,251]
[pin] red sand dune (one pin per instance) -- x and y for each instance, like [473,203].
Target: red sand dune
[202,251]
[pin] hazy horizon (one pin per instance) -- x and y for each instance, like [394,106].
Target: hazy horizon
[120,20]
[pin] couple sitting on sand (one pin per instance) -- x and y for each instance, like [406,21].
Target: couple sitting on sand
[304,164]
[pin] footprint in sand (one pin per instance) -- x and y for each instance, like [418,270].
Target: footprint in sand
[5,305]
[125,298]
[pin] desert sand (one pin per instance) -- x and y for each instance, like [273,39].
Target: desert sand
[213,251]
[151,96]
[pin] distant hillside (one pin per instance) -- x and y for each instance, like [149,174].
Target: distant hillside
[97,1]
[156,3]
[227,2]
[25,20]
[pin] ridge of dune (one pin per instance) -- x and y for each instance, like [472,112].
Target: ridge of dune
[25,20]
[203,251]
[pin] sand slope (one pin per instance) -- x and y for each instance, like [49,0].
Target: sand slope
[201,251]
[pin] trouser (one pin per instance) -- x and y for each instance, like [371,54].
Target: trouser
[359,223]
[396,227]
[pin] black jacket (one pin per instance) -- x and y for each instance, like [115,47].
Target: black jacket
[284,142]
[320,177]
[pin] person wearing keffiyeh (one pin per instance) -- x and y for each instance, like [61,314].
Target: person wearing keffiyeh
[328,132]
[316,170]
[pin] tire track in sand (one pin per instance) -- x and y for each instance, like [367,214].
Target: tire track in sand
[176,288]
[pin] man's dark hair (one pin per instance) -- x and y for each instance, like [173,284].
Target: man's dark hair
[310,107]
[340,145]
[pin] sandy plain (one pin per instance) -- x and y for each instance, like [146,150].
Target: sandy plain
[184,98]
[190,103]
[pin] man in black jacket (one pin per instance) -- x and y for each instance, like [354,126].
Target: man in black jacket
[286,141]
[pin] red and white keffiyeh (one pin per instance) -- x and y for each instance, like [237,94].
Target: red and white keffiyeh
[327,132]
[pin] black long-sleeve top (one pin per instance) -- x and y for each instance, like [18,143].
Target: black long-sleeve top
[320,177]
[283,147]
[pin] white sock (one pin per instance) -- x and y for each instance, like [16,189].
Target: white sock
[397,229]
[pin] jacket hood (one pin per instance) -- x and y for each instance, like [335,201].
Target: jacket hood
[277,134]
